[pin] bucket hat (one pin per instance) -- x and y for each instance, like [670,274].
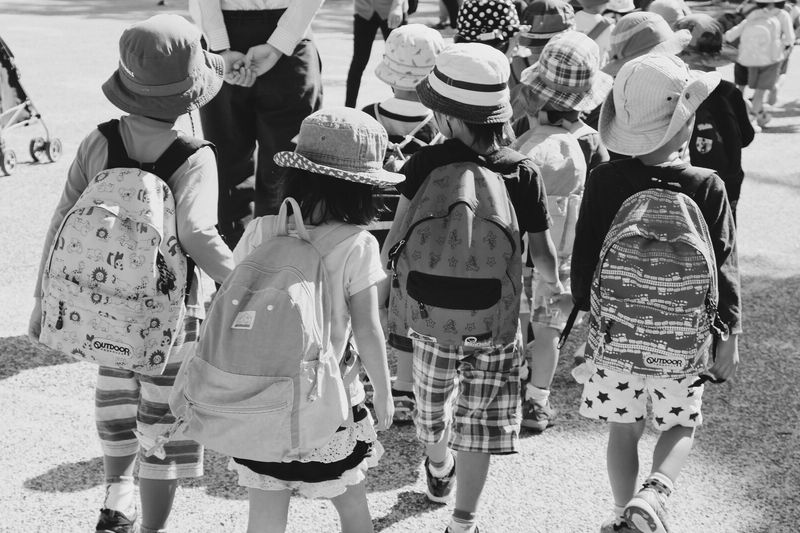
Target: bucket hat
[544,19]
[641,33]
[344,143]
[491,22]
[707,47]
[653,97]
[591,3]
[469,82]
[671,10]
[621,6]
[567,75]
[163,71]
[409,55]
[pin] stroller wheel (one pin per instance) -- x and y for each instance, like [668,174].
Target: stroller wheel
[37,149]
[8,162]
[53,149]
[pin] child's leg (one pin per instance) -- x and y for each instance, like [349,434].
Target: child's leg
[622,459]
[758,101]
[269,510]
[157,496]
[545,356]
[672,450]
[472,468]
[353,510]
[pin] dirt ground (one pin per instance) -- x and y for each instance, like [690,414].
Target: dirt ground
[742,476]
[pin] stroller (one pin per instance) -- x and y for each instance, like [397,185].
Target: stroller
[17,110]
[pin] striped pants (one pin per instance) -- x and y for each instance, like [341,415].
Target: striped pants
[126,401]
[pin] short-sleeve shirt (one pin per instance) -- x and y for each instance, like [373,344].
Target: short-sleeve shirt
[520,176]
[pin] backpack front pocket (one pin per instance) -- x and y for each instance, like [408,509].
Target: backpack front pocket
[453,293]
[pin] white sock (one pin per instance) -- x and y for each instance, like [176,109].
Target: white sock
[461,522]
[536,394]
[441,471]
[618,509]
[120,495]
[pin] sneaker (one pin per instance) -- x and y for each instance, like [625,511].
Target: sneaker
[645,513]
[447,530]
[404,405]
[763,118]
[440,489]
[537,417]
[616,524]
[112,521]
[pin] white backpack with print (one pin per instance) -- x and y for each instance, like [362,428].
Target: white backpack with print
[760,42]
[264,382]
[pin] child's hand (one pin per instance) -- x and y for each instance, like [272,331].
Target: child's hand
[384,410]
[727,358]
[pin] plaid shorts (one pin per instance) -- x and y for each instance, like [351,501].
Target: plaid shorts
[477,390]
[126,401]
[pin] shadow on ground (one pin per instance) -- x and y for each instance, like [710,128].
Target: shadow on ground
[19,353]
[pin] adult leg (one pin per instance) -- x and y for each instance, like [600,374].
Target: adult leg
[269,510]
[353,509]
[363,36]
[452,10]
[622,459]
[285,95]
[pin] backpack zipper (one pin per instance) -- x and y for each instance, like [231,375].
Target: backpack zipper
[274,406]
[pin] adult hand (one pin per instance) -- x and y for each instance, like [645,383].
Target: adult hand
[396,13]
[261,58]
[234,63]
[727,359]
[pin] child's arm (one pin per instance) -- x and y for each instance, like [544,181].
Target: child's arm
[543,254]
[787,31]
[734,33]
[726,358]
[371,344]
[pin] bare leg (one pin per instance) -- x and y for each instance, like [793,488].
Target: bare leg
[471,471]
[672,450]
[269,511]
[156,496]
[353,510]
[622,459]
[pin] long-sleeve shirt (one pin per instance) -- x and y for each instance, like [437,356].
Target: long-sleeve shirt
[610,184]
[294,24]
[194,186]
[787,32]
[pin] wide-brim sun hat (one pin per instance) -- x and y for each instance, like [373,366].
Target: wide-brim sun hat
[470,83]
[544,19]
[344,143]
[567,75]
[639,33]
[409,55]
[163,70]
[621,6]
[707,48]
[653,97]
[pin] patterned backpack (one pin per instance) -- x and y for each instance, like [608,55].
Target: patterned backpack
[654,294]
[114,283]
[456,272]
[760,42]
[264,383]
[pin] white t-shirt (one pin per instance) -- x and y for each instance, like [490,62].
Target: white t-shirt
[352,266]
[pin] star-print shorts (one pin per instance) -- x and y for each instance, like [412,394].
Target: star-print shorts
[615,397]
[477,390]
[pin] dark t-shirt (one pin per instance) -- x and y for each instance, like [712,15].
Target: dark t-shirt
[520,175]
[610,184]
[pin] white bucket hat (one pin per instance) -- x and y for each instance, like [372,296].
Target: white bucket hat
[653,97]
[409,56]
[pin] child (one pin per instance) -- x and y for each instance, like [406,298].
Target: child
[590,20]
[722,126]
[566,81]
[616,9]
[492,22]
[161,55]
[794,15]
[659,95]
[332,175]
[763,58]
[468,94]
[410,54]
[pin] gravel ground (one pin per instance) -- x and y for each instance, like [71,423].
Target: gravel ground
[742,476]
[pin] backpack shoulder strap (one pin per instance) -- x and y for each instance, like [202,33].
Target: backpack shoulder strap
[411,135]
[176,155]
[599,28]
[117,155]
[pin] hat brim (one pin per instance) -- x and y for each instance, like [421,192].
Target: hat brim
[207,81]
[626,141]
[577,101]
[727,55]
[377,177]
[472,113]
[677,42]
[406,81]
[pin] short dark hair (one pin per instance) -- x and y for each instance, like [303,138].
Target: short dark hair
[500,133]
[498,44]
[340,199]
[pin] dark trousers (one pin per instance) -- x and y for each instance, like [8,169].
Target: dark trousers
[265,116]
[452,11]
[364,32]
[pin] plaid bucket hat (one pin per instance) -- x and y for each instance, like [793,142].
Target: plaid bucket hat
[567,76]
[343,143]
[409,55]
[544,19]
[470,83]
[492,22]
[163,71]
[640,33]
[653,97]
[707,48]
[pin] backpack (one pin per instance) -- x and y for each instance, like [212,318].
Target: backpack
[598,29]
[114,283]
[760,42]
[401,147]
[654,293]
[563,169]
[263,382]
[456,272]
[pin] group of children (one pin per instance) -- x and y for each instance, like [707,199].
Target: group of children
[451,106]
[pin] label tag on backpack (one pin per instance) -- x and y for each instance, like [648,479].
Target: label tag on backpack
[411,334]
[244,320]
[478,341]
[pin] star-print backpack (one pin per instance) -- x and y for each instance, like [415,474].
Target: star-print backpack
[114,283]
[456,270]
[653,303]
